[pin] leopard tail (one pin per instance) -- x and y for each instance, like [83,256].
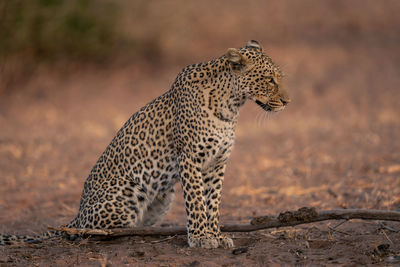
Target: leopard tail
[8,240]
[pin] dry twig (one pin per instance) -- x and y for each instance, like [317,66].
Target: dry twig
[288,218]
[338,231]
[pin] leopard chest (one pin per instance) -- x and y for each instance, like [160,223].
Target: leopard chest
[216,146]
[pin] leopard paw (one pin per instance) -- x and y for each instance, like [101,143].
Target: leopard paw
[203,242]
[225,242]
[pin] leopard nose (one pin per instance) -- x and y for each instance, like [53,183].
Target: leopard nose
[285,101]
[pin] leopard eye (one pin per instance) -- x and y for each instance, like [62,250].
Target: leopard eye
[270,80]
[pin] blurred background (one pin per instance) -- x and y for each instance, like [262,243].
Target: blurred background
[72,71]
[103,32]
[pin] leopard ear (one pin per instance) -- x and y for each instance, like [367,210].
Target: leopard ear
[254,44]
[238,62]
[235,57]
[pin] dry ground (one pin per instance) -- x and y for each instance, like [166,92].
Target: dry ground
[335,146]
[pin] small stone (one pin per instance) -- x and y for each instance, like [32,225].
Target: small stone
[240,250]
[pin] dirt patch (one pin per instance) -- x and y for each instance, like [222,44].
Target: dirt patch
[300,215]
[356,242]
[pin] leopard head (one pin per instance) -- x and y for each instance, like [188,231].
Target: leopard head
[259,77]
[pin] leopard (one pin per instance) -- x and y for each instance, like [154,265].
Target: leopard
[184,136]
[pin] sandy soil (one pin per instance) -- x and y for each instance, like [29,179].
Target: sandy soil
[335,146]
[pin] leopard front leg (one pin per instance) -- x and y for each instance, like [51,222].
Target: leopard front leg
[192,187]
[213,181]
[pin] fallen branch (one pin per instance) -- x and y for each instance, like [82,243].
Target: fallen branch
[288,218]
